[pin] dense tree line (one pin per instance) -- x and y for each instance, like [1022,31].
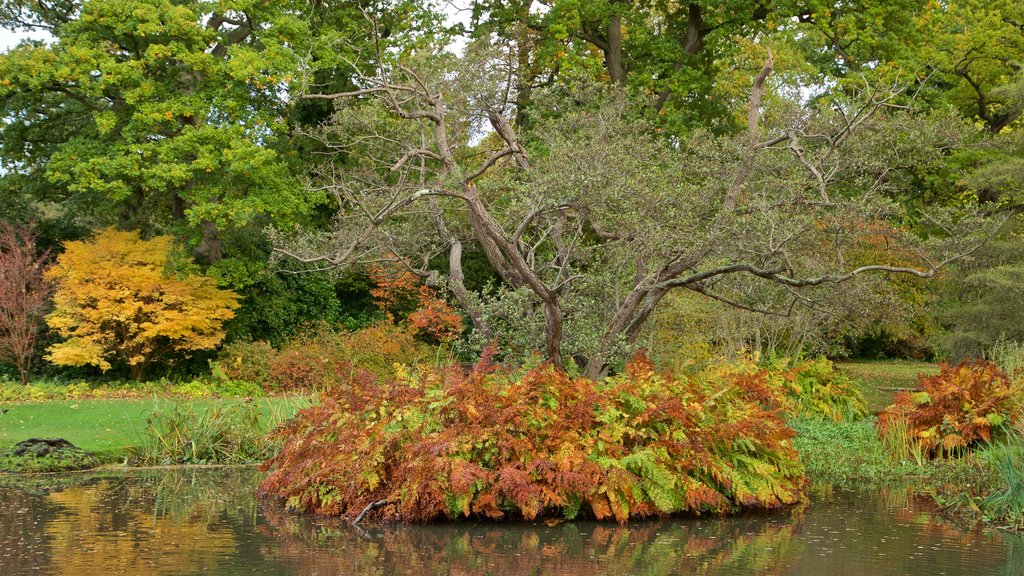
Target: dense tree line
[578,178]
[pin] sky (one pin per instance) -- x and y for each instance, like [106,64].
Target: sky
[9,38]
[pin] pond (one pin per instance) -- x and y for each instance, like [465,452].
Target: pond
[207,521]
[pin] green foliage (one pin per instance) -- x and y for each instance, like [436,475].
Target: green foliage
[159,110]
[974,309]
[178,433]
[816,389]
[1006,503]
[278,306]
[851,454]
[439,443]
[955,410]
[844,453]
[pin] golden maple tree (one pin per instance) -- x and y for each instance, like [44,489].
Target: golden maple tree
[117,299]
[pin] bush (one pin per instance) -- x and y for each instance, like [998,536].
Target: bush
[246,361]
[815,389]
[325,358]
[306,368]
[493,444]
[812,389]
[955,410]
[120,298]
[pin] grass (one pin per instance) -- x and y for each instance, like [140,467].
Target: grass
[876,376]
[107,427]
[851,454]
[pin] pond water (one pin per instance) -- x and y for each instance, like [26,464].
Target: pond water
[193,521]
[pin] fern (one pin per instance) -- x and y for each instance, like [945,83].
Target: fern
[493,443]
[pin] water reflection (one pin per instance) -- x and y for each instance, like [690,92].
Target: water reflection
[743,546]
[207,522]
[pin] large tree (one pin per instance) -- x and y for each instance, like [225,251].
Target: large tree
[595,217]
[153,111]
[683,53]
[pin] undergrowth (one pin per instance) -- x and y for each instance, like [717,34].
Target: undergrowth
[852,455]
[957,410]
[816,389]
[228,433]
[496,444]
[11,391]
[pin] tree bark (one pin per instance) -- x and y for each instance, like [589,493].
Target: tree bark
[613,51]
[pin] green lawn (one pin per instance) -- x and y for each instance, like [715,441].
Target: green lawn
[875,376]
[107,427]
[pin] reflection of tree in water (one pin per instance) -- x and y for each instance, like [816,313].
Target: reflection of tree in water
[154,522]
[752,545]
[206,521]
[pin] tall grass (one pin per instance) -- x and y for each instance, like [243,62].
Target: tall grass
[1006,505]
[228,433]
[1009,356]
[900,444]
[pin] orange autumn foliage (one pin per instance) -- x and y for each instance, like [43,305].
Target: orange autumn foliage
[397,291]
[955,409]
[495,444]
[116,301]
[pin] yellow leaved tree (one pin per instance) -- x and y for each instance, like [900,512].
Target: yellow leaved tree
[117,300]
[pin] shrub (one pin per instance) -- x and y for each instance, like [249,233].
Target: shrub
[24,293]
[956,409]
[378,348]
[815,389]
[306,368]
[246,361]
[812,389]
[119,298]
[492,444]
[399,293]
[325,358]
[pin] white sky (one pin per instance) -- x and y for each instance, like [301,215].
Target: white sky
[8,38]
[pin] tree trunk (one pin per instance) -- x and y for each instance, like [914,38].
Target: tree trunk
[613,52]
[210,248]
[490,235]
[457,284]
[553,333]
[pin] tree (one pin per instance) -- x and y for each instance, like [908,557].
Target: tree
[24,296]
[155,114]
[119,297]
[593,217]
[683,52]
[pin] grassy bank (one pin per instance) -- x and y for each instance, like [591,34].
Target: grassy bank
[111,428]
[880,379]
[851,454]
